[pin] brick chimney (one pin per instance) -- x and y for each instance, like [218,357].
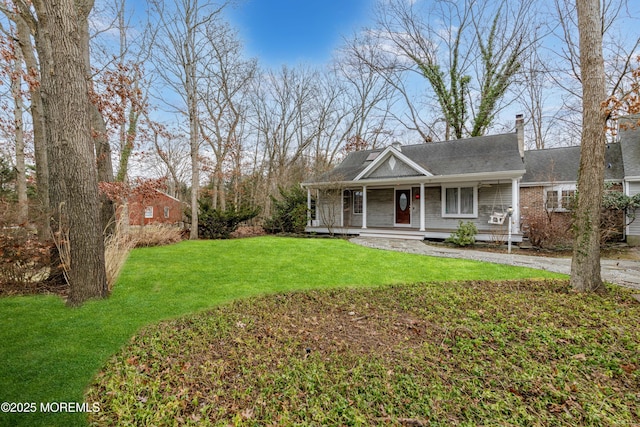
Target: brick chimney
[520,134]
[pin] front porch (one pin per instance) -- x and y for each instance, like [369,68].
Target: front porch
[416,210]
[497,235]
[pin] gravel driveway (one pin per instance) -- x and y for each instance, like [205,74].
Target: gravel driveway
[621,272]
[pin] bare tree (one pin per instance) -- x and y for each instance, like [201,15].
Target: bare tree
[170,158]
[14,70]
[368,92]
[224,96]
[24,33]
[463,49]
[181,46]
[535,94]
[371,51]
[284,121]
[619,50]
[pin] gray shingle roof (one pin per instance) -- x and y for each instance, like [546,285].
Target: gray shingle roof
[562,164]
[474,155]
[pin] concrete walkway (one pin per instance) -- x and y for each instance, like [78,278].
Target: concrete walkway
[622,272]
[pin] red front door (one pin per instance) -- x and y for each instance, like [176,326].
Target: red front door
[403,206]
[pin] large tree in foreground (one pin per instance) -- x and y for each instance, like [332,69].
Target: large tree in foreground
[59,27]
[585,264]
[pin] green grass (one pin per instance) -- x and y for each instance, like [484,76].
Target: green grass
[50,353]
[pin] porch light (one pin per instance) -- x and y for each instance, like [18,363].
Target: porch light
[509,211]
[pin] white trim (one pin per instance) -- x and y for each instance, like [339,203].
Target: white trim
[308,207]
[342,208]
[395,205]
[626,190]
[148,212]
[444,213]
[550,183]
[422,207]
[382,157]
[515,204]
[437,180]
[353,202]
[559,189]
[364,206]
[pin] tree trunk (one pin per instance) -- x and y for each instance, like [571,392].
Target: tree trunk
[39,131]
[98,127]
[21,177]
[585,265]
[194,138]
[70,149]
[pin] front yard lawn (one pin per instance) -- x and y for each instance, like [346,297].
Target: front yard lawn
[515,353]
[50,353]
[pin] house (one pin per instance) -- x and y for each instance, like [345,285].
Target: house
[630,147]
[160,208]
[423,191]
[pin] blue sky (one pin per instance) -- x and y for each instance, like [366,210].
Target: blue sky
[297,31]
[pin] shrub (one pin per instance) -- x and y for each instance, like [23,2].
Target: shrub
[24,260]
[289,212]
[218,223]
[549,230]
[465,234]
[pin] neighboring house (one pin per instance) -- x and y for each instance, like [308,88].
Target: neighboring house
[159,209]
[423,191]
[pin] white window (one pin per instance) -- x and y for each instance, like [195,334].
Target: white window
[166,211]
[357,202]
[559,198]
[460,202]
[553,202]
[568,199]
[148,212]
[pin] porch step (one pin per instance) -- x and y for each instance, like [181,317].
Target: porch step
[394,234]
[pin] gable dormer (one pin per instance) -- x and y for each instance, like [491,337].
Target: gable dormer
[391,163]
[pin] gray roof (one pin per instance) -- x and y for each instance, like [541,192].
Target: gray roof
[495,153]
[630,144]
[562,164]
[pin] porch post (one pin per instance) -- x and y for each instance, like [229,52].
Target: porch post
[341,207]
[422,228]
[308,207]
[364,206]
[515,203]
